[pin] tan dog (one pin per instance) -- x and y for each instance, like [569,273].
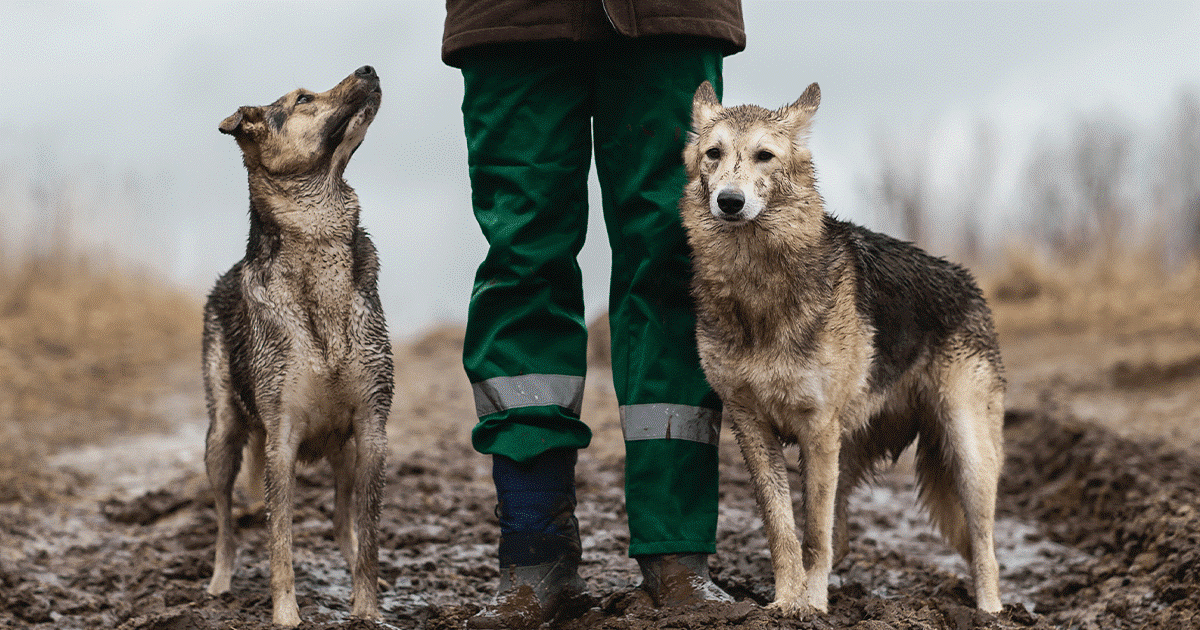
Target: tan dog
[297,361]
[847,342]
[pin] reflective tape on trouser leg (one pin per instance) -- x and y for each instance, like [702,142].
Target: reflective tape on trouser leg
[661,421]
[523,416]
[528,390]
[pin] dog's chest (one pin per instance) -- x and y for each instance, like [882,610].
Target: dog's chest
[771,379]
[784,359]
[312,300]
[320,371]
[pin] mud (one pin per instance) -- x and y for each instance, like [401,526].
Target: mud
[1096,531]
[1097,527]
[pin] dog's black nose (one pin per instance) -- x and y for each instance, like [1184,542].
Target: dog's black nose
[365,71]
[730,201]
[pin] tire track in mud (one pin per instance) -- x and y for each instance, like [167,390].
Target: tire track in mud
[1096,531]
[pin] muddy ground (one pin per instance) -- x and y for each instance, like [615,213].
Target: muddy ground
[1099,515]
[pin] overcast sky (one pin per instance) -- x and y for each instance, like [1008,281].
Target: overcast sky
[112,108]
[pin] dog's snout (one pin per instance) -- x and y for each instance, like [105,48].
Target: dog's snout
[365,72]
[731,201]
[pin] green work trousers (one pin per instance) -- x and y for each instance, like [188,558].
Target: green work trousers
[532,115]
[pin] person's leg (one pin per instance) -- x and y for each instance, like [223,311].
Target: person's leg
[670,415]
[525,114]
[526,118]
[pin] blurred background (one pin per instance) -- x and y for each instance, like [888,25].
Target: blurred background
[1052,147]
[973,128]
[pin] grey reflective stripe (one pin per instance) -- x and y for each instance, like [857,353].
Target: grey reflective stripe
[662,421]
[530,390]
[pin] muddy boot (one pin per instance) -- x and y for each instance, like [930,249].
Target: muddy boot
[530,596]
[539,544]
[679,579]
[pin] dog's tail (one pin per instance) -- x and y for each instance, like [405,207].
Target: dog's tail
[939,495]
[255,463]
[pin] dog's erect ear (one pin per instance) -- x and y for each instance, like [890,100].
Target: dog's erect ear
[705,106]
[246,121]
[799,114]
[809,100]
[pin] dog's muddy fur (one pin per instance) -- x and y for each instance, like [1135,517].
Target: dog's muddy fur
[849,343]
[297,360]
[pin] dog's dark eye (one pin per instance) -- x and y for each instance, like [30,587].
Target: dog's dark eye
[764,156]
[713,153]
[304,98]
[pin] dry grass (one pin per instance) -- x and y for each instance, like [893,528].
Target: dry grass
[433,402]
[86,352]
[1126,294]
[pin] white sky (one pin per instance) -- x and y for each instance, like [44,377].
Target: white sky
[113,108]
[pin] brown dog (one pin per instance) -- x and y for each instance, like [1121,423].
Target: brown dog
[847,342]
[297,361]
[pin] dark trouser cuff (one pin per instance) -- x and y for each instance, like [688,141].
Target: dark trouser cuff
[536,508]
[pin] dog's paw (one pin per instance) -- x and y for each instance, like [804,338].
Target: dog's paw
[818,597]
[287,613]
[218,585]
[991,605]
[287,620]
[790,606]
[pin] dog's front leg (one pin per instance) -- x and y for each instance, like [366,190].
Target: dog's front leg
[764,459]
[371,438]
[821,451]
[222,457]
[280,497]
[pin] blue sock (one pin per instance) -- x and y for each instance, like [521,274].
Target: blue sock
[536,508]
